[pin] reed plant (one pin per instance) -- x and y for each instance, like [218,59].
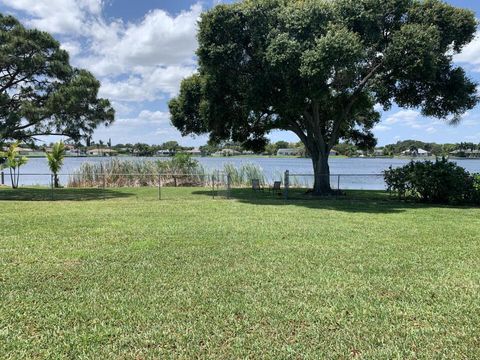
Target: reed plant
[243,175]
[181,170]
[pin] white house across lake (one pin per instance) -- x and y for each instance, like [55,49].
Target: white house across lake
[469,153]
[417,153]
[102,152]
[288,152]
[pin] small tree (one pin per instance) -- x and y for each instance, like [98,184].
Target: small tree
[13,161]
[55,161]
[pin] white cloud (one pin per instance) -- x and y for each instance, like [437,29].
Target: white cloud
[57,16]
[130,90]
[72,47]
[157,117]
[121,109]
[152,127]
[146,117]
[471,54]
[166,79]
[473,138]
[149,84]
[380,127]
[134,61]
[160,40]
[471,122]
[408,117]
[414,120]
[162,132]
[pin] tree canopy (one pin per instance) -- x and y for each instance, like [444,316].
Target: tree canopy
[40,92]
[318,68]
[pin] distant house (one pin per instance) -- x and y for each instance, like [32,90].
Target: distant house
[24,151]
[417,153]
[195,151]
[164,153]
[423,153]
[469,153]
[102,152]
[73,152]
[227,152]
[333,153]
[378,152]
[289,152]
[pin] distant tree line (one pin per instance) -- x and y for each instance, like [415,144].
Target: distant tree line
[433,148]
[400,147]
[271,149]
[142,149]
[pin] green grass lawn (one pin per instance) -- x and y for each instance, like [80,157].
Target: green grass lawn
[252,277]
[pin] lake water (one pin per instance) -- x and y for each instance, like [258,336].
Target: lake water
[356,173]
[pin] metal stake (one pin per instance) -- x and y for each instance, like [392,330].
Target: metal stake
[338,186]
[229,186]
[159,187]
[213,186]
[286,184]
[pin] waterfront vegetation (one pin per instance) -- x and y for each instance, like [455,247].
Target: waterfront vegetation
[254,277]
[180,170]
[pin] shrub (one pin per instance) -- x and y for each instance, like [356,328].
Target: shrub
[476,186]
[441,182]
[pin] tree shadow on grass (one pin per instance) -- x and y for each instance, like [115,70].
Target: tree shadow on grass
[66,194]
[355,201]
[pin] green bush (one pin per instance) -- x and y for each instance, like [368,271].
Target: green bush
[442,182]
[476,186]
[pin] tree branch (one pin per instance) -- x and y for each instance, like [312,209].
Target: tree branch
[346,111]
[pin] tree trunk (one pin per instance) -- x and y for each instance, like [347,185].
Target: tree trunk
[55,181]
[321,171]
[13,178]
[18,177]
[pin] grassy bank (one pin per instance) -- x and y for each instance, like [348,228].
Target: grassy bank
[253,277]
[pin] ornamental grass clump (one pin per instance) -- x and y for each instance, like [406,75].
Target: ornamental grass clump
[181,170]
[243,175]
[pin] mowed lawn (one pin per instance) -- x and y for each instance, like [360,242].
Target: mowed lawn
[253,277]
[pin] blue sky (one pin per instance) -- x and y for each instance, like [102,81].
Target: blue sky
[140,50]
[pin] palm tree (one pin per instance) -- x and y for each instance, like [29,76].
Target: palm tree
[55,161]
[13,161]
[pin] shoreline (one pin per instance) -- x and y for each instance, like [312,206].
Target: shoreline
[256,157]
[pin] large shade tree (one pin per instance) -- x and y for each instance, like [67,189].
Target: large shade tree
[318,68]
[40,92]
